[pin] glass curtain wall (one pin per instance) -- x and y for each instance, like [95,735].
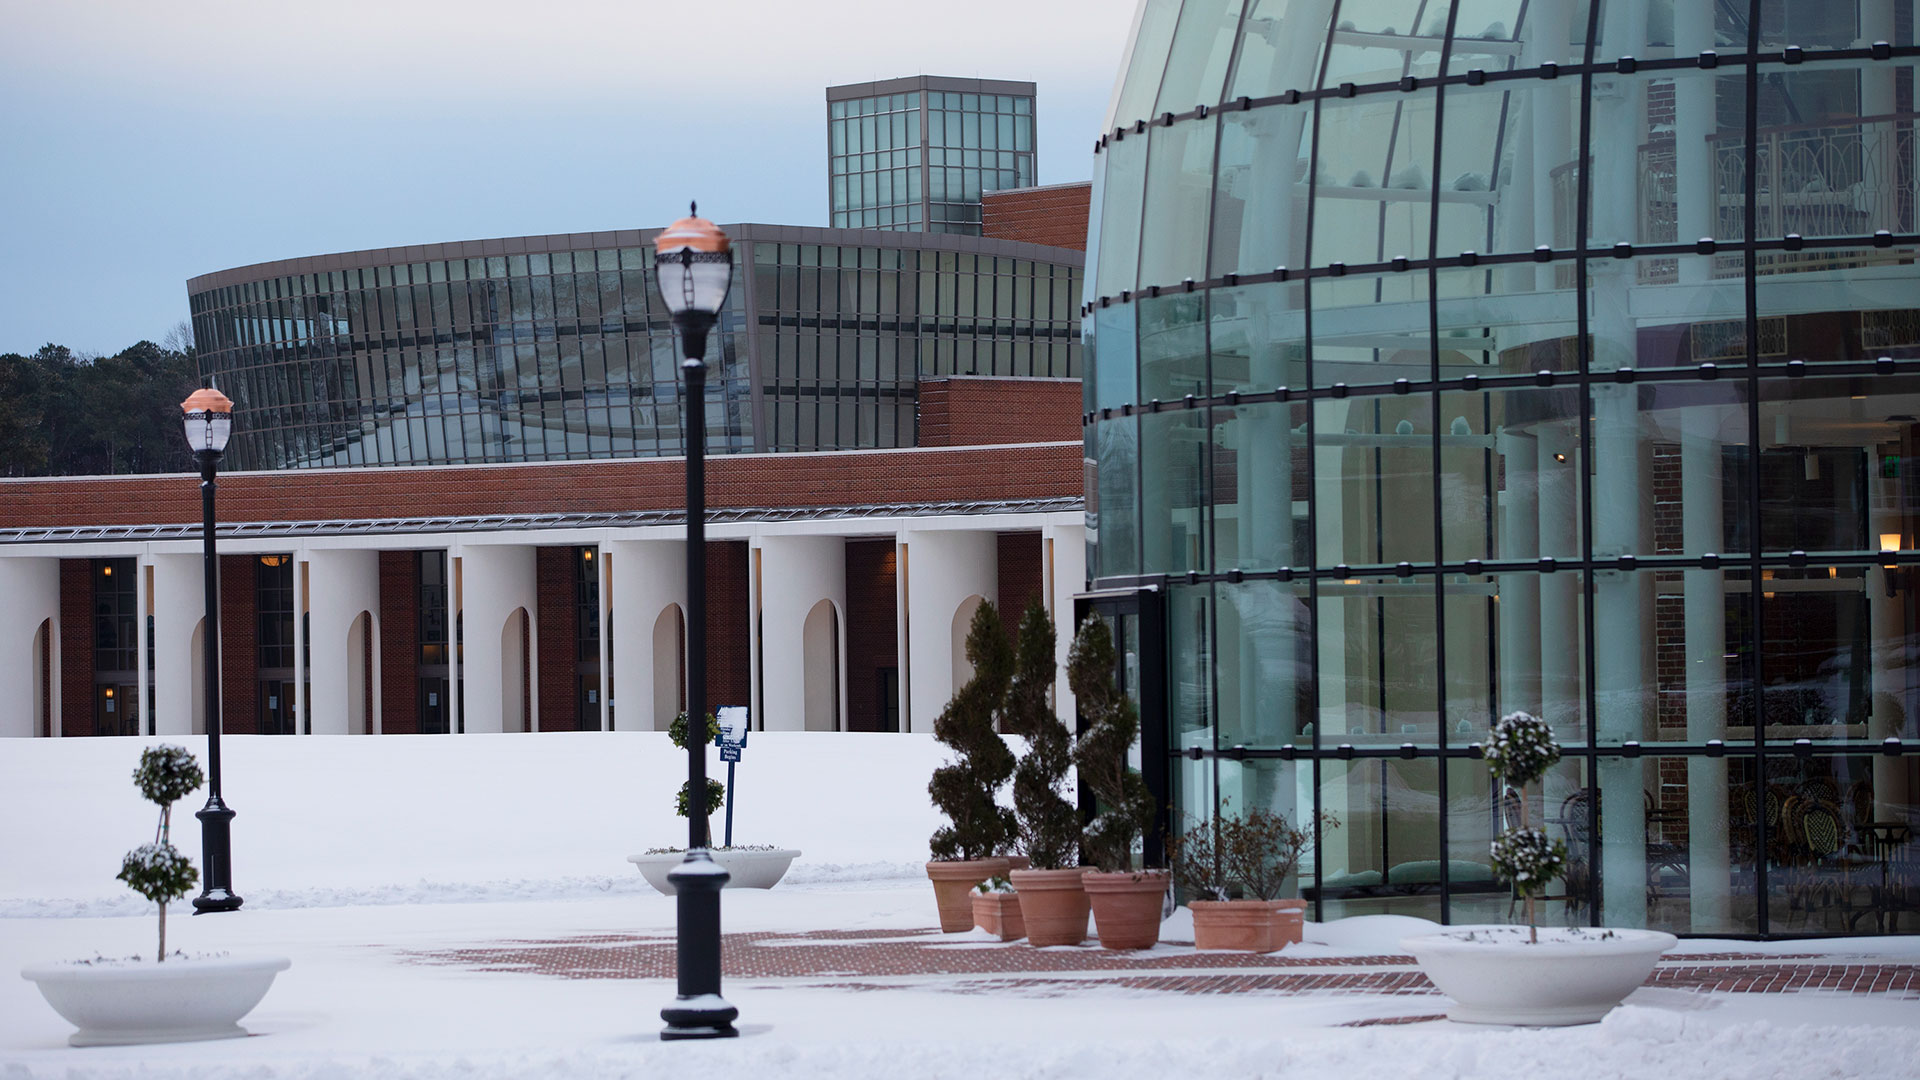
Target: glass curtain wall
[1454,359]
[571,355]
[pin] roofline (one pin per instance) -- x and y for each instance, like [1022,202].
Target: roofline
[1036,187]
[746,232]
[849,91]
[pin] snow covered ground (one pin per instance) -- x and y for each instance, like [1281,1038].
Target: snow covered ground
[355,854]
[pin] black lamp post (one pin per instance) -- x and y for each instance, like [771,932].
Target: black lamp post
[694,263]
[209,420]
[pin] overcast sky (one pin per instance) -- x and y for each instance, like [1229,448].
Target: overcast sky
[145,141]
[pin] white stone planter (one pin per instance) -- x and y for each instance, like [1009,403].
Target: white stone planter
[1573,976]
[182,1000]
[746,869]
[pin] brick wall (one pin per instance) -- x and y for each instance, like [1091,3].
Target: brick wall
[239,644]
[76,646]
[980,410]
[559,639]
[1021,577]
[948,474]
[872,628]
[399,642]
[1055,215]
[729,652]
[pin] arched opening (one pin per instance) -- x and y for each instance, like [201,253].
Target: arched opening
[513,672]
[359,677]
[962,622]
[198,649]
[42,679]
[669,666]
[820,644]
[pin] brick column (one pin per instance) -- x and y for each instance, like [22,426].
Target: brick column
[399,642]
[76,647]
[559,638]
[239,644]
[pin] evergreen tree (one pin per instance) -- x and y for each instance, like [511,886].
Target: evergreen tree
[1123,806]
[1049,825]
[978,826]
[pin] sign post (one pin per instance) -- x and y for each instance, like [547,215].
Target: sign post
[731,740]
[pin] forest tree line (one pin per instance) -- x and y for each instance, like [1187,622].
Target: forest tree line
[64,413]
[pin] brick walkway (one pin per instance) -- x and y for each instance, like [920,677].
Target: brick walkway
[879,960]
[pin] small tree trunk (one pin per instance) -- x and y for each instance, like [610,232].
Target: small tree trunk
[1526,822]
[162,957]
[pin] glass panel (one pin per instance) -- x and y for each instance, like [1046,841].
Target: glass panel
[1189,672]
[1140,80]
[1509,170]
[1120,196]
[1260,189]
[1691,679]
[1833,463]
[1259,486]
[1173,242]
[1265,678]
[1685,178]
[1378,661]
[1279,48]
[1384,857]
[1257,336]
[1174,469]
[1115,371]
[1374,153]
[1197,62]
[1476,814]
[1677,848]
[1173,347]
[1373,477]
[1116,524]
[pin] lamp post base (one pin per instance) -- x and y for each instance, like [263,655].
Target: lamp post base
[699,1012]
[216,839]
[705,1017]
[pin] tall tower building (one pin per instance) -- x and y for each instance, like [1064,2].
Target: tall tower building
[914,154]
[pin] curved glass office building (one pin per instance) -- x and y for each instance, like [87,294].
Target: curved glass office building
[550,348]
[1454,359]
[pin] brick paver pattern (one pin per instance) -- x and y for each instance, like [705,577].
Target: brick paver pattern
[878,960]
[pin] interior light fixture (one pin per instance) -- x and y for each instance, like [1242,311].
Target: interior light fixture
[1890,541]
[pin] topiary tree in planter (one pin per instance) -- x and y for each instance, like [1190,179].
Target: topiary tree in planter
[1049,825]
[1123,805]
[977,825]
[716,791]
[1519,750]
[158,871]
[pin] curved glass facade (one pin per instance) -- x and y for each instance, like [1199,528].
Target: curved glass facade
[449,354]
[1452,359]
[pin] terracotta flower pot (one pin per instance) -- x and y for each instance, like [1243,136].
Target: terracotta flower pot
[1236,925]
[1126,907]
[998,913]
[1054,905]
[953,882]
[1289,921]
[1018,862]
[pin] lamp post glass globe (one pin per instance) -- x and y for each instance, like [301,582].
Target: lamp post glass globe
[207,415]
[693,261]
[208,418]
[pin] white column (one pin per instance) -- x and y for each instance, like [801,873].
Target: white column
[344,585]
[1878,98]
[1519,596]
[1702,530]
[498,579]
[1622,637]
[797,573]
[948,566]
[179,605]
[1557,481]
[652,579]
[1065,547]
[29,596]
[1695,117]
